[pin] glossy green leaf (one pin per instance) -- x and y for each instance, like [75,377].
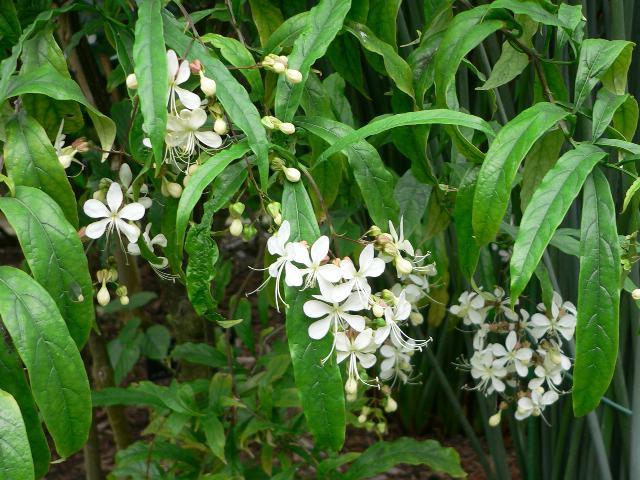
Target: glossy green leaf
[622,145]
[375,182]
[382,20]
[233,97]
[549,205]
[287,33]
[124,350]
[541,11]
[397,68]
[412,197]
[383,456]
[498,171]
[633,189]
[214,434]
[55,256]
[324,22]
[200,180]
[598,296]
[596,57]
[625,120]
[423,117]
[542,156]
[320,386]
[9,23]
[267,18]
[56,371]
[31,160]
[468,248]
[604,109]
[150,66]
[15,455]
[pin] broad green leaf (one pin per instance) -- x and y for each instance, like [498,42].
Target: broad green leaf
[423,117]
[56,371]
[233,97]
[604,109]
[324,22]
[47,81]
[124,350]
[597,56]
[381,19]
[156,342]
[382,456]
[15,455]
[214,434]
[375,182]
[344,56]
[199,353]
[150,66]
[31,160]
[321,390]
[549,205]
[286,34]
[335,85]
[266,17]
[598,296]
[498,171]
[412,197]
[13,381]
[55,256]
[625,120]
[9,23]
[200,180]
[538,10]
[542,156]
[629,147]
[397,68]
[468,248]
[227,184]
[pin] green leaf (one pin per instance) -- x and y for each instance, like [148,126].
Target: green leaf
[397,68]
[199,353]
[156,342]
[124,350]
[542,156]
[200,180]
[286,34]
[549,205]
[468,248]
[55,256]
[501,164]
[633,148]
[56,371]
[382,456]
[633,189]
[31,161]
[324,22]
[233,97]
[596,57]
[9,23]
[375,181]
[538,10]
[604,109]
[320,385]
[598,296]
[214,434]
[625,120]
[412,197]
[266,17]
[15,455]
[423,117]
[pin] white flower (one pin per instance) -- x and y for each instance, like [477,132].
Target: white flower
[397,361]
[561,320]
[480,337]
[158,240]
[485,368]
[502,304]
[368,267]
[315,268]
[126,179]
[333,307]
[393,316]
[66,155]
[113,216]
[358,350]
[549,371]
[178,74]
[534,405]
[402,244]
[471,308]
[184,135]
[519,358]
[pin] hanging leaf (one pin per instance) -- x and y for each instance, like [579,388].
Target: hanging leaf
[286,34]
[468,248]
[542,156]
[604,109]
[15,455]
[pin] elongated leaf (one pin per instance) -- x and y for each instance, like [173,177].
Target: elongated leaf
[598,296]
[542,156]
[397,68]
[200,180]
[375,182]
[633,148]
[596,57]
[9,23]
[320,385]
[382,456]
[538,10]
[15,454]
[150,66]
[412,197]
[625,120]
[56,371]
[324,22]
[286,33]
[31,160]
[424,117]
[267,18]
[233,97]
[55,255]
[603,111]
[633,189]
[214,433]
[548,206]
[503,159]
[14,382]
[468,248]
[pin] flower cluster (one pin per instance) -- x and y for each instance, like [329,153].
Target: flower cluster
[517,355]
[360,321]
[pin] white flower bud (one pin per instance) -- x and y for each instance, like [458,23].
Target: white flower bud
[391,405]
[416,318]
[378,311]
[362,418]
[220,126]
[294,76]
[403,266]
[192,168]
[351,386]
[382,427]
[292,174]
[636,294]
[287,128]
[236,227]
[278,67]
[124,300]
[494,420]
[174,189]
[277,219]
[65,160]
[207,85]
[351,397]
[555,357]
[103,296]
[132,81]
[186,179]
[98,195]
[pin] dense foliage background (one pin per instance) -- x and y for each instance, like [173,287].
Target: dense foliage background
[154,155]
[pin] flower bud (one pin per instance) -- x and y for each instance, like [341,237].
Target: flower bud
[292,174]
[270,122]
[351,386]
[383,238]
[81,145]
[220,126]
[236,209]
[555,357]
[416,318]
[65,161]
[277,219]
[382,427]
[207,85]
[196,67]
[279,67]
[185,180]
[351,397]
[378,311]
[294,76]
[390,249]
[174,189]
[103,296]
[287,128]
[273,209]
[132,81]
[403,266]
[362,418]
[391,405]
[98,195]
[124,300]
[236,227]
[248,232]
[494,420]
[388,296]
[192,168]
[635,294]
[374,231]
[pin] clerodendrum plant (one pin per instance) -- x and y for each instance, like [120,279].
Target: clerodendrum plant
[277,205]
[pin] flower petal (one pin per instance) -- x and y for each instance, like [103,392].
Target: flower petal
[319,328]
[210,139]
[367,360]
[355,321]
[172,64]
[96,209]
[320,249]
[133,211]
[381,334]
[132,232]
[375,268]
[114,197]
[330,272]
[316,308]
[293,275]
[190,100]
[342,342]
[125,175]
[183,72]
[96,229]
[363,340]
